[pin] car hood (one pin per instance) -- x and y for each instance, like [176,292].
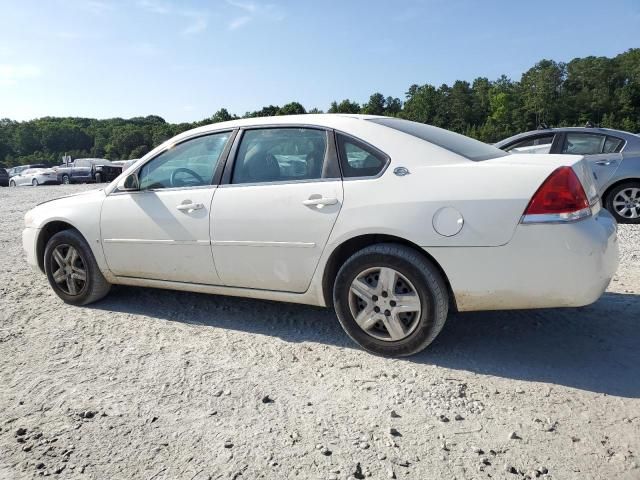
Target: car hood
[90,193]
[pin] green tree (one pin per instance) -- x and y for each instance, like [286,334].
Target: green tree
[345,106]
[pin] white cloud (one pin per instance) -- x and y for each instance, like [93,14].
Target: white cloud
[199,23]
[253,10]
[249,7]
[146,50]
[155,6]
[239,22]
[97,7]
[10,74]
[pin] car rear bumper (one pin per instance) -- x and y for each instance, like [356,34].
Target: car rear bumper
[543,266]
[29,242]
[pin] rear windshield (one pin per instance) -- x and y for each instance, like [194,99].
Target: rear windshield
[454,142]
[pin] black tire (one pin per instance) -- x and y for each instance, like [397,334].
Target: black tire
[34,182]
[424,277]
[94,288]
[12,183]
[98,178]
[65,179]
[611,195]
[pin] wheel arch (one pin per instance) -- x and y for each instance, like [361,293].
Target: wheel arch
[607,192]
[343,251]
[46,232]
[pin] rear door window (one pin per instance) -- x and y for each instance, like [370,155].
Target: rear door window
[280,155]
[535,144]
[583,143]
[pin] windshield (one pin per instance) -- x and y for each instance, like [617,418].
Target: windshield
[454,142]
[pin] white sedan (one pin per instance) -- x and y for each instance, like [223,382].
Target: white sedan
[35,177]
[392,223]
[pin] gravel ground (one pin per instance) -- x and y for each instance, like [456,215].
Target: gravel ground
[157,384]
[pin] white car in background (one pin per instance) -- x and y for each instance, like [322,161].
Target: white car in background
[391,222]
[35,177]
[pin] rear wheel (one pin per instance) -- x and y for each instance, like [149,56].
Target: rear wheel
[12,183]
[34,182]
[390,299]
[623,201]
[98,178]
[72,269]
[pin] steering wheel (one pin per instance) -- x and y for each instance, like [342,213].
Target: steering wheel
[179,183]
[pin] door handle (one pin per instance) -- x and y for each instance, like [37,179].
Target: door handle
[604,162]
[319,202]
[190,207]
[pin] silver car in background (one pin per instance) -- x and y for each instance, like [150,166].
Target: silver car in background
[614,157]
[35,177]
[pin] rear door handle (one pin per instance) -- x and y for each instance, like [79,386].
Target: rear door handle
[319,202]
[190,207]
[604,162]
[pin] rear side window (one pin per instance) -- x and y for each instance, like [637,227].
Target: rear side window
[583,144]
[358,159]
[613,145]
[538,144]
[454,142]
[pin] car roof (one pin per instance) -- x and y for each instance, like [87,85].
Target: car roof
[629,137]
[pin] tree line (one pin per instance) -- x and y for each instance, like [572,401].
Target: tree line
[601,90]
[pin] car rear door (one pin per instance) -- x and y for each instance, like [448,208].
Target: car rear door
[279,200]
[601,152]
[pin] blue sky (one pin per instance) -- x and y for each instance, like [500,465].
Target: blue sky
[183,60]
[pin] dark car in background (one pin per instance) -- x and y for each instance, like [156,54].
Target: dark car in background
[4,178]
[88,170]
[614,157]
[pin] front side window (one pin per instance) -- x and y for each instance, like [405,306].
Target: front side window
[280,154]
[583,144]
[538,144]
[188,164]
[358,159]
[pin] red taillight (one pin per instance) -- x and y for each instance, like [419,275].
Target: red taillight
[561,197]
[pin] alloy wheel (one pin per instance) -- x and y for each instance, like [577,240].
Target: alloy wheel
[385,304]
[627,203]
[69,270]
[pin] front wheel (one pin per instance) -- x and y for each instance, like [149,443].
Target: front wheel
[34,182]
[624,202]
[12,183]
[72,269]
[390,299]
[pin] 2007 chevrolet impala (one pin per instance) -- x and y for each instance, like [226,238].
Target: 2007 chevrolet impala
[391,222]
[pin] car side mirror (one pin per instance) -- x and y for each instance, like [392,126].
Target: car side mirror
[129,183]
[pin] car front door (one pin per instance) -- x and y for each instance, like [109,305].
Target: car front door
[278,203]
[24,177]
[601,151]
[161,229]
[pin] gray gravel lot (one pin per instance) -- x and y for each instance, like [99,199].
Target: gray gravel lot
[157,384]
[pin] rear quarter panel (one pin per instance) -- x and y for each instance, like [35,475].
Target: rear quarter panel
[491,196]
